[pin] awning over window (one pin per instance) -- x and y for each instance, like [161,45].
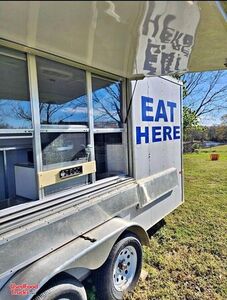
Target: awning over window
[121,37]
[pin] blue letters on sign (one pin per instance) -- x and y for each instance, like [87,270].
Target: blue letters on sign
[161,112]
[146,108]
[140,134]
[172,105]
[156,134]
[165,112]
[167,135]
[176,132]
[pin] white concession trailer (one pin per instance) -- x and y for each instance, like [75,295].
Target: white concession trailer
[90,138]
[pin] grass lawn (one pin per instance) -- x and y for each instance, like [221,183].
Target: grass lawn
[187,257]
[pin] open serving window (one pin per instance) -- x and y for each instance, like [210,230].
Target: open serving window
[61,128]
[16,130]
[109,141]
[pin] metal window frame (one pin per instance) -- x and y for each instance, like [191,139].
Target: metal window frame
[97,129]
[16,131]
[90,129]
[34,95]
[13,55]
[66,127]
[104,77]
[128,95]
[10,130]
[16,137]
[122,129]
[108,130]
[38,128]
[5,174]
[125,137]
[90,119]
[60,129]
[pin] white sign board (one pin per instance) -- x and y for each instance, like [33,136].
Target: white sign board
[156,115]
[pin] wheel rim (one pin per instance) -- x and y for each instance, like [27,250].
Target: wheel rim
[125,268]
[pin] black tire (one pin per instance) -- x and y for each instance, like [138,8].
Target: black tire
[68,289]
[104,281]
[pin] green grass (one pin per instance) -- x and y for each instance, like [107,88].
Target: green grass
[186,258]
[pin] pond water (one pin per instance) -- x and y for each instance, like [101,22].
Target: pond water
[208,144]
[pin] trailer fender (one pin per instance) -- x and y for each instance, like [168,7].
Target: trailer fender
[89,251]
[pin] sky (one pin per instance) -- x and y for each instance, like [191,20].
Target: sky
[193,100]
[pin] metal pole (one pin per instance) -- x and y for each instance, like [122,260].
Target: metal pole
[90,120]
[125,137]
[34,95]
[5,174]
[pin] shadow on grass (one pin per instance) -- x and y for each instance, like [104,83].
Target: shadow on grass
[151,231]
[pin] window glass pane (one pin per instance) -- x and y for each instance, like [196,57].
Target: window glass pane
[107,102]
[15,111]
[109,155]
[62,93]
[63,149]
[16,155]
[2,179]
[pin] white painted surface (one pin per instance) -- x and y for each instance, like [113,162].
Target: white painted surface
[151,158]
[109,35]
[115,158]
[157,157]
[25,182]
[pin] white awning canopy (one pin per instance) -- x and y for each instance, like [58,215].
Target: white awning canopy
[121,37]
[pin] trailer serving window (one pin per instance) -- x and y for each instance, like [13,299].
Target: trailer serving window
[63,111]
[16,130]
[62,94]
[108,127]
[61,128]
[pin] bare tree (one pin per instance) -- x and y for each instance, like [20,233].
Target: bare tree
[205,92]
[49,112]
[108,108]
[108,104]
[224,119]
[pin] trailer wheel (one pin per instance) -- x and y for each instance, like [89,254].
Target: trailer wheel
[121,271]
[68,289]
